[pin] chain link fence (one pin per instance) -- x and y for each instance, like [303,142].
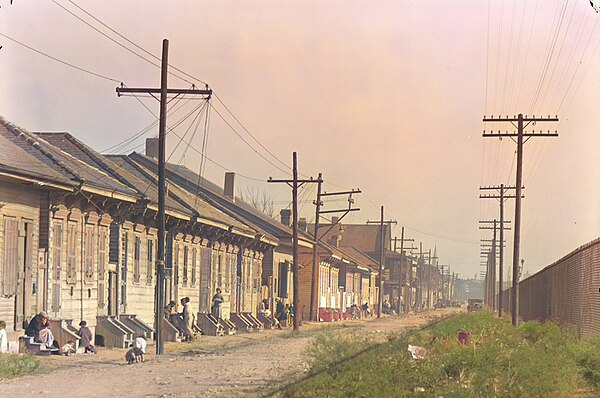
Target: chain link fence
[566,292]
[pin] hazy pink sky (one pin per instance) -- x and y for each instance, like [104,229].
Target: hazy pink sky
[385,96]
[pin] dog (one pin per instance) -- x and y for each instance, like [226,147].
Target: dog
[134,355]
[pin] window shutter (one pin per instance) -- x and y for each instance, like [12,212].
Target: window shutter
[89,254]
[136,259]
[71,253]
[150,265]
[11,257]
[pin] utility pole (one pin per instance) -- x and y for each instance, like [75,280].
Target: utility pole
[491,273]
[314,288]
[164,91]
[382,224]
[502,196]
[522,123]
[402,256]
[295,183]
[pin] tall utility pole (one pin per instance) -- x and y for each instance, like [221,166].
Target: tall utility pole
[164,91]
[522,123]
[295,183]
[382,223]
[429,280]
[402,257]
[491,273]
[502,196]
[314,287]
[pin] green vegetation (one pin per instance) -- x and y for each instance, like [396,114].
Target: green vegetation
[17,365]
[533,360]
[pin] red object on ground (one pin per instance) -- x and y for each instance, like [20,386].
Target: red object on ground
[464,337]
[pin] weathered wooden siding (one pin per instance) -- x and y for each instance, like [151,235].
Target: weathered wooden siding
[21,204]
[74,253]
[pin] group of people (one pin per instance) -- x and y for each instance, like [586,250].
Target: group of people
[39,329]
[183,320]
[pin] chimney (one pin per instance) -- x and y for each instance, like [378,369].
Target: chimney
[335,219]
[334,240]
[229,187]
[286,215]
[152,147]
[302,224]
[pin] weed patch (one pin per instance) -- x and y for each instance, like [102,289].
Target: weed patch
[533,360]
[17,365]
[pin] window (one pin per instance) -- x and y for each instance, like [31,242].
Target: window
[124,266]
[185,265]
[57,236]
[176,263]
[71,253]
[11,257]
[194,265]
[137,249]
[150,265]
[89,254]
[101,266]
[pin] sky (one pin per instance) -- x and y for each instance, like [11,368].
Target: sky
[383,96]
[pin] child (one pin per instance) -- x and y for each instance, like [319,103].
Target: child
[3,338]
[68,348]
[86,338]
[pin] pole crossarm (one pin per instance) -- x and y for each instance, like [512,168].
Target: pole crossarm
[338,211]
[492,221]
[498,187]
[126,90]
[516,119]
[495,196]
[524,134]
[484,227]
[341,193]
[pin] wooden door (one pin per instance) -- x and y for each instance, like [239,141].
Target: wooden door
[24,296]
[112,293]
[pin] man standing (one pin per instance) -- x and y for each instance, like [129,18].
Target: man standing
[217,300]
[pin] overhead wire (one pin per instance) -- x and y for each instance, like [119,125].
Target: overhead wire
[115,41]
[71,65]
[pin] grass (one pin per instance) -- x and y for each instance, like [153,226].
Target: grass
[17,365]
[533,360]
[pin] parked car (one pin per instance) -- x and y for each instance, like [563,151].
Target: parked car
[474,305]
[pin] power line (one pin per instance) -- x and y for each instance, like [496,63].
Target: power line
[134,44]
[79,68]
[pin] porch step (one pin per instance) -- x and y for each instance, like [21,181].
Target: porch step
[258,325]
[242,324]
[140,328]
[34,348]
[63,331]
[209,325]
[228,326]
[111,332]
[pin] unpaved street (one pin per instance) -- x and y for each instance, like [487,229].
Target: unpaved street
[241,365]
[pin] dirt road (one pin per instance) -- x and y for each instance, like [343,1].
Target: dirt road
[241,365]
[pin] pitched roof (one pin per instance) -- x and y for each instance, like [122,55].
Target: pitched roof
[213,193]
[178,197]
[27,154]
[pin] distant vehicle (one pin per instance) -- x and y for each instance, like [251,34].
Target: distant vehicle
[474,305]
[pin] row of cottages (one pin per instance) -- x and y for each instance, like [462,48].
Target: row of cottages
[336,288]
[78,238]
[400,279]
[344,277]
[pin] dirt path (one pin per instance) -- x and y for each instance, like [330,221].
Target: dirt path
[241,365]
